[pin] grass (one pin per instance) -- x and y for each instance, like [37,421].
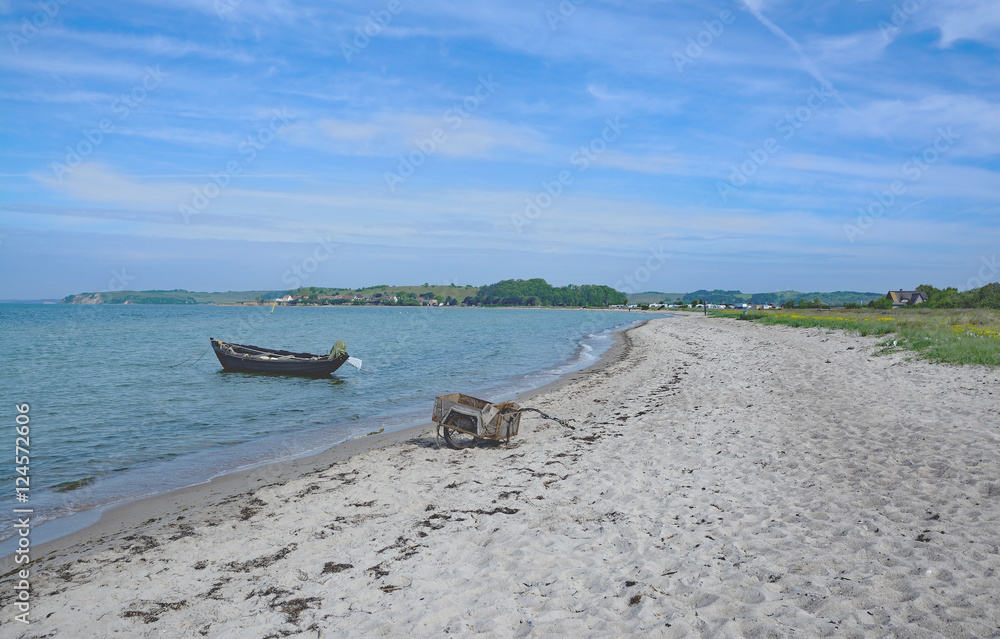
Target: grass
[954,336]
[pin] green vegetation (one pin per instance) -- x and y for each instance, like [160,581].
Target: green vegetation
[448,294]
[175,296]
[538,292]
[883,303]
[778,298]
[983,297]
[955,336]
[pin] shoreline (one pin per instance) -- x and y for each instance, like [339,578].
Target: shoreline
[115,519]
[723,478]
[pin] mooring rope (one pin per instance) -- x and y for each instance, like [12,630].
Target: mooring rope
[546,416]
[190,358]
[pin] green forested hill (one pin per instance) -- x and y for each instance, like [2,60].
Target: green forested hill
[175,296]
[538,292]
[532,292]
[436,290]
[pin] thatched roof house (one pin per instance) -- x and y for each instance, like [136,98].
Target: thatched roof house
[906,298]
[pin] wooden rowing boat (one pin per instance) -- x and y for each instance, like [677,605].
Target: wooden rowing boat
[256,359]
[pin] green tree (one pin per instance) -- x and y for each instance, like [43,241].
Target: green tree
[882,303]
[538,292]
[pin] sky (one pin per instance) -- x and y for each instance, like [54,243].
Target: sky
[758,145]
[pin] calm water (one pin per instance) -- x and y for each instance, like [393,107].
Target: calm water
[108,404]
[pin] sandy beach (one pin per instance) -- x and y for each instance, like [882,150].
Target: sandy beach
[724,479]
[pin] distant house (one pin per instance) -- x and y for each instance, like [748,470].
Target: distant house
[286,298]
[906,298]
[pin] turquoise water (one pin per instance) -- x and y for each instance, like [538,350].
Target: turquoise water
[109,402]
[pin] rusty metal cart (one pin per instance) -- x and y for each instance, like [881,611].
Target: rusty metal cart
[464,418]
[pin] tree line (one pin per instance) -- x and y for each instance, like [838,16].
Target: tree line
[538,292]
[987,296]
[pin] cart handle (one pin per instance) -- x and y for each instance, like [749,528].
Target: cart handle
[546,416]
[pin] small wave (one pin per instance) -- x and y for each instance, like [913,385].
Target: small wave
[197,424]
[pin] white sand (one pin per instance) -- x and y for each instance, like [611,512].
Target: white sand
[725,479]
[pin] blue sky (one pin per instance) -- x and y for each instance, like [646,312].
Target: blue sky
[238,144]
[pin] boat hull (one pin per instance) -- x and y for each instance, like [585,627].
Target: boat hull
[255,359]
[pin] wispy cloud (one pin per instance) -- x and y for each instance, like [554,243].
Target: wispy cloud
[755,8]
[745,104]
[977,20]
[155,44]
[94,182]
[846,49]
[975,120]
[390,134]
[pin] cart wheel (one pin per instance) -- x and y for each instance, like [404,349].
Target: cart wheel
[456,439]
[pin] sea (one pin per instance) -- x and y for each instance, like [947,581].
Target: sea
[129,401]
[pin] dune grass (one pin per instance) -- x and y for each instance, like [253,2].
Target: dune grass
[954,336]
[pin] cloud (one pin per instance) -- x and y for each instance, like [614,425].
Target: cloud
[95,182]
[916,122]
[63,66]
[182,137]
[755,7]
[349,131]
[352,122]
[977,20]
[390,134]
[653,163]
[847,49]
[235,10]
[152,44]
[52,97]
[629,101]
